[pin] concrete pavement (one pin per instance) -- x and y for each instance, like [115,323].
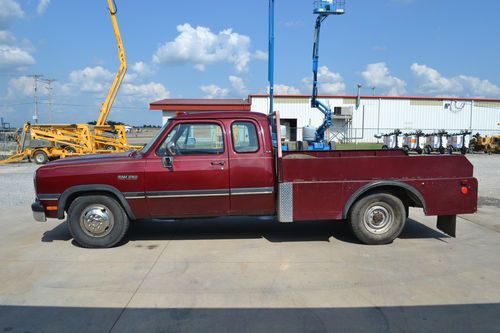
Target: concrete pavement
[248,275]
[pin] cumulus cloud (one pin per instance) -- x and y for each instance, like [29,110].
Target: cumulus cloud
[378,75]
[42,6]
[9,11]
[201,47]
[142,69]
[260,55]
[238,84]
[330,83]
[97,80]
[7,38]
[14,57]
[91,79]
[214,91]
[432,82]
[283,89]
[145,92]
[21,86]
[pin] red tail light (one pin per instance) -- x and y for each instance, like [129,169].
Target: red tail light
[464,190]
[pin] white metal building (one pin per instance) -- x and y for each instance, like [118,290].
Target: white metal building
[383,114]
[375,114]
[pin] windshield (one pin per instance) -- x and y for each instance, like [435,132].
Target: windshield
[155,137]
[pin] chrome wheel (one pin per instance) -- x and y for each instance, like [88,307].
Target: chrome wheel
[97,220]
[378,218]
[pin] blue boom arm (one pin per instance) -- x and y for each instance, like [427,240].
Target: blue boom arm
[315,103]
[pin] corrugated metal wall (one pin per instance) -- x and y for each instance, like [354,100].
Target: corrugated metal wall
[385,115]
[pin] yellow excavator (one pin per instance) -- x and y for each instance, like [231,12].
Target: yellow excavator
[48,142]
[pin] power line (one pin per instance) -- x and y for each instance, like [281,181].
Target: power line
[36,78]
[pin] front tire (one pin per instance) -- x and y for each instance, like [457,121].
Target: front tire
[97,221]
[377,219]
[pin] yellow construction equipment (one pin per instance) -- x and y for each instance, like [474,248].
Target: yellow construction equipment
[487,144]
[60,141]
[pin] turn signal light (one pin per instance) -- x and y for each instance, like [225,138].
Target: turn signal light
[51,208]
[464,190]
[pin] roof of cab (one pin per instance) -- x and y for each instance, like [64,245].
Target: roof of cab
[222,115]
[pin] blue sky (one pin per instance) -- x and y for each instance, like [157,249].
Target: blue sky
[218,49]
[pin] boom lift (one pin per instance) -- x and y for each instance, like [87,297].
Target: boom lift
[323,8]
[108,137]
[60,141]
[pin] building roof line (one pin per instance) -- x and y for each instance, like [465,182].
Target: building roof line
[426,98]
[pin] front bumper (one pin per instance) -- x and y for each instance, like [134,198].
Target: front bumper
[38,211]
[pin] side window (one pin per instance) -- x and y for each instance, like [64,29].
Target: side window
[194,139]
[244,137]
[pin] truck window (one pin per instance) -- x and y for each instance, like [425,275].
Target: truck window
[244,137]
[194,139]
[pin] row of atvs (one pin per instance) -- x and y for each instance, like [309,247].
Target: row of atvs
[420,142]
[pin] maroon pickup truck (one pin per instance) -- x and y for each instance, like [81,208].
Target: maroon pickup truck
[220,164]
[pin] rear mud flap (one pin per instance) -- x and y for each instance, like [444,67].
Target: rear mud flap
[448,225]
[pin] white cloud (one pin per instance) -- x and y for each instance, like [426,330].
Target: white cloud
[214,91]
[91,79]
[14,57]
[201,47]
[142,69]
[260,55]
[6,37]
[42,6]
[97,80]
[283,89]
[378,75]
[21,86]
[330,83]
[432,82]
[9,10]
[148,92]
[238,84]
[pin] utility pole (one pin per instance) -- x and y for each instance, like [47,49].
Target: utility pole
[270,69]
[49,88]
[373,90]
[35,95]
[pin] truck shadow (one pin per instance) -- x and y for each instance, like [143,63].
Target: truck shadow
[246,228]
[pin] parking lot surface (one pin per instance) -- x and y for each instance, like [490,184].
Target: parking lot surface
[248,274]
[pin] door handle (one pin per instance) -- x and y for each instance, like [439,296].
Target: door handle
[217,163]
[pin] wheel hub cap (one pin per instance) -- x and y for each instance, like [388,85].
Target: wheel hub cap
[378,218]
[97,221]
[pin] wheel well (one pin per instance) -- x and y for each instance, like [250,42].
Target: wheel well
[407,194]
[75,195]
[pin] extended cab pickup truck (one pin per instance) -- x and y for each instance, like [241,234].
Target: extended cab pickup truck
[220,164]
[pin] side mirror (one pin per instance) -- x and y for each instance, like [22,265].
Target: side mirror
[171,148]
[168,162]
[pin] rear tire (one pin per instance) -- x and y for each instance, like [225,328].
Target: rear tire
[377,219]
[97,221]
[40,157]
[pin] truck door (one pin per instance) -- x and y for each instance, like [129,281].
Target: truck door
[252,171]
[188,174]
